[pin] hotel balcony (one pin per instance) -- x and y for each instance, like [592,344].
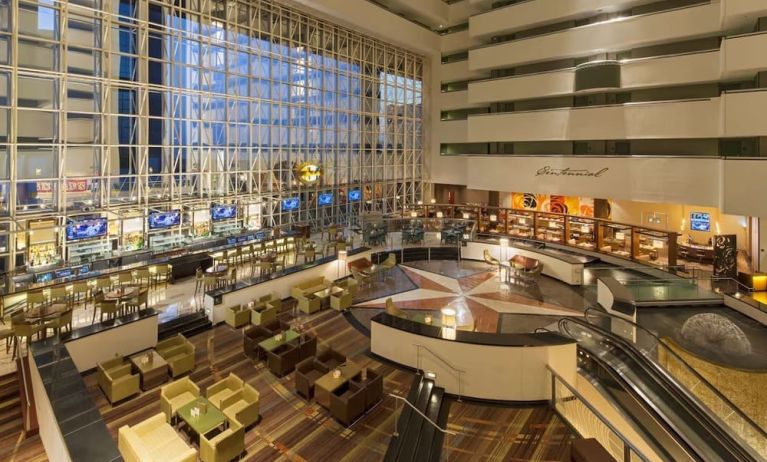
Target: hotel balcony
[612,35]
[457,71]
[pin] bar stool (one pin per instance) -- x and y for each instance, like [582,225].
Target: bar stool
[199,275]
[81,291]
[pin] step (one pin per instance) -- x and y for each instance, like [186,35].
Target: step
[11,428]
[10,404]
[404,417]
[428,432]
[435,454]
[409,437]
[421,430]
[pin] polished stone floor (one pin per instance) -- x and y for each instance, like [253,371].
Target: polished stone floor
[474,290]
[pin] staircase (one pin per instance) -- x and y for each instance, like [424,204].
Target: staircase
[417,439]
[186,325]
[11,420]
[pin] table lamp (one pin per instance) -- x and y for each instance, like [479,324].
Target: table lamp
[448,317]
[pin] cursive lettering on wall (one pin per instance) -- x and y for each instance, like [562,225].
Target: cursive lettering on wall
[550,171]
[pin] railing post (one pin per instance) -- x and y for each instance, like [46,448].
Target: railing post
[460,385]
[397,408]
[626,452]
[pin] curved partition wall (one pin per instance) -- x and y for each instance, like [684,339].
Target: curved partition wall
[504,367]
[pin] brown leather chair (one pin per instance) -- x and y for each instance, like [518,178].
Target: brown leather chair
[330,358]
[307,346]
[307,372]
[251,337]
[282,360]
[347,403]
[373,385]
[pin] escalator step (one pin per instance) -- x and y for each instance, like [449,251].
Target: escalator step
[404,418]
[435,454]
[409,438]
[427,431]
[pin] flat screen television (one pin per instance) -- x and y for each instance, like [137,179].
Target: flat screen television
[86,229]
[63,273]
[160,220]
[700,221]
[325,199]
[223,212]
[290,203]
[354,195]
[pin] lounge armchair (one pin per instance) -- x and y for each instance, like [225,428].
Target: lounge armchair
[392,309]
[225,446]
[531,276]
[360,278]
[330,358]
[350,284]
[236,317]
[373,386]
[263,314]
[222,389]
[251,337]
[307,346]
[242,406]
[179,353]
[347,403]
[341,301]
[176,395]
[283,359]
[116,381]
[389,263]
[153,440]
[309,305]
[307,372]
[491,259]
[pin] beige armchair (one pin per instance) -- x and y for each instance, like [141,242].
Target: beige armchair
[179,353]
[392,309]
[153,440]
[236,317]
[225,446]
[223,389]
[390,262]
[242,406]
[341,301]
[176,395]
[116,381]
[309,305]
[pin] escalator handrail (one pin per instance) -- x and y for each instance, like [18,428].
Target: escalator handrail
[717,429]
[689,368]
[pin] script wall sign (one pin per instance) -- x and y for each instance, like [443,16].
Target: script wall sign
[551,171]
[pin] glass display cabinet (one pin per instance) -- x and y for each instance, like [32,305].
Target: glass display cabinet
[520,223]
[550,228]
[614,238]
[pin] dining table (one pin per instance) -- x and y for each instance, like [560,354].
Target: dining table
[217,270]
[328,383]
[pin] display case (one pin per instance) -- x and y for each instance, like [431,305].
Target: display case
[200,224]
[651,247]
[614,238]
[166,241]
[492,221]
[42,243]
[79,252]
[550,228]
[520,223]
[581,232]
[226,228]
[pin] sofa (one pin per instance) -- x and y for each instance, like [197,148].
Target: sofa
[153,440]
[222,389]
[242,406]
[179,353]
[116,381]
[176,395]
[224,446]
[236,317]
[309,286]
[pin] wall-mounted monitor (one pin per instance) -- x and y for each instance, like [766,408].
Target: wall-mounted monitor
[223,212]
[325,199]
[86,229]
[354,195]
[62,273]
[160,220]
[700,221]
[290,203]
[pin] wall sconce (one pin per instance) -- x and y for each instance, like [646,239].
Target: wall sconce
[493,217]
[440,214]
[465,216]
[448,317]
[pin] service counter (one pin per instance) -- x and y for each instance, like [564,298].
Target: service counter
[498,367]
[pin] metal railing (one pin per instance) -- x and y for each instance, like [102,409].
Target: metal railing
[626,452]
[434,424]
[459,372]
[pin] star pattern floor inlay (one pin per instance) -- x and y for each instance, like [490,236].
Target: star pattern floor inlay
[478,298]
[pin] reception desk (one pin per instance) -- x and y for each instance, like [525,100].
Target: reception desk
[498,367]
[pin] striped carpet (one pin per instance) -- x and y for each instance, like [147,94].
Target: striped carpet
[293,429]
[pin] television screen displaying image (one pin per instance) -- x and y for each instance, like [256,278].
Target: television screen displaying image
[354,195]
[290,203]
[63,273]
[700,221]
[325,199]
[86,229]
[223,212]
[159,220]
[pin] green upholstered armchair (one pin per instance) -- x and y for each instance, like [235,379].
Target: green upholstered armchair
[179,353]
[242,406]
[235,316]
[223,389]
[176,395]
[225,446]
[116,381]
[263,314]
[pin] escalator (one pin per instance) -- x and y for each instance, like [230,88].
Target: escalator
[672,419]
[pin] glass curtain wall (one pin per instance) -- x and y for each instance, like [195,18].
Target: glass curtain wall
[135,105]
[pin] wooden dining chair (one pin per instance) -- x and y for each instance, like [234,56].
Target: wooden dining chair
[35,298]
[81,292]
[125,278]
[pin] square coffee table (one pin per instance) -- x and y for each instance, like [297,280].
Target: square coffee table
[271,343]
[152,368]
[206,421]
[327,384]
